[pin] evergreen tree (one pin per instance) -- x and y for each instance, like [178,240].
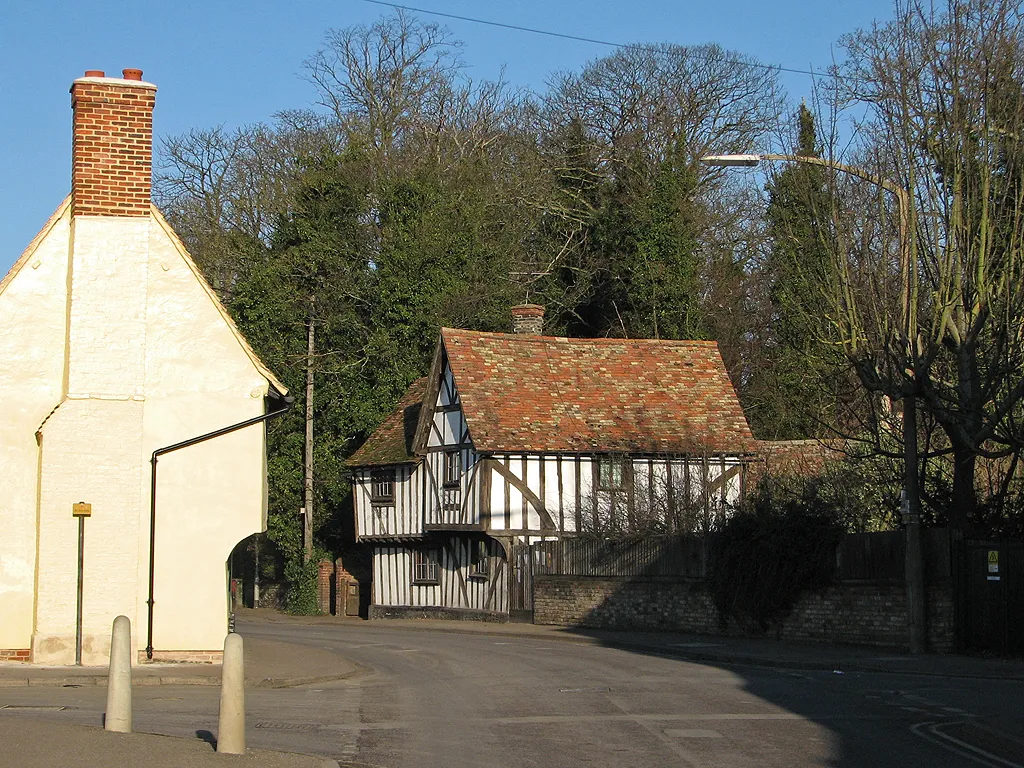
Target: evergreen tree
[793,392]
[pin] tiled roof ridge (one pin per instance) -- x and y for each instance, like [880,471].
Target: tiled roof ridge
[535,339]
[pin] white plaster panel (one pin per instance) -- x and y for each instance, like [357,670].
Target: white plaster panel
[91,451]
[110,261]
[515,497]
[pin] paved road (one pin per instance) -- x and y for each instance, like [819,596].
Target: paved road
[435,698]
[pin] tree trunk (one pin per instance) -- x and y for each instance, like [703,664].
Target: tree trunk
[965,495]
[307,522]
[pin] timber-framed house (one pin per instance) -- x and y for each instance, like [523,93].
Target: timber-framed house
[517,438]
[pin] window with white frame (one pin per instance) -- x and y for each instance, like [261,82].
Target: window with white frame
[382,486]
[479,559]
[611,473]
[426,566]
[452,468]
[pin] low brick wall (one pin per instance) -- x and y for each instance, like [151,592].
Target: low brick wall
[431,612]
[863,614]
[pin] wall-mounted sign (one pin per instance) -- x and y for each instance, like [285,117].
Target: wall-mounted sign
[81,509]
[993,561]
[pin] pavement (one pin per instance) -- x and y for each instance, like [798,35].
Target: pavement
[271,664]
[44,744]
[268,664]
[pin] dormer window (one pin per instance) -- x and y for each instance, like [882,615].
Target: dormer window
[382,486]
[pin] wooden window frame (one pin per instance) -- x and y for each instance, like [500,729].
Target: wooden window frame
[479,559]
[612,465]
[377,483]
[426,567]
[452,458]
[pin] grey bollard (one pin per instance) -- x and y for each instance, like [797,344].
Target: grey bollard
[118,716]
[231,728]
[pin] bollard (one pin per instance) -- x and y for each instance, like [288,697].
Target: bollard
[118,716]
[231,728]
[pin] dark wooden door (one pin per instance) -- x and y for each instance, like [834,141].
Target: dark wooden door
[994,596]
[521,589]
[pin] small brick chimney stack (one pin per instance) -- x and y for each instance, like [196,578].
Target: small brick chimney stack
[112,148]
[528,319]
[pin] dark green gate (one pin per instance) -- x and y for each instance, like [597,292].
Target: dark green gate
[993,596]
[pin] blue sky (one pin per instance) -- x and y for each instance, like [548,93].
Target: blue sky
[235,63]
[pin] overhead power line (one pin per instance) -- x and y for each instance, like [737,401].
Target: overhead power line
[565,36]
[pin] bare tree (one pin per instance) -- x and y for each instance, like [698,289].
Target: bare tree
[386,78]
[927,294]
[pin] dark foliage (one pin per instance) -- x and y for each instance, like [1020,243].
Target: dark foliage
[766,555]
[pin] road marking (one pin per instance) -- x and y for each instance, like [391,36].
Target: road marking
[952,744]
[32,708]
[692,733]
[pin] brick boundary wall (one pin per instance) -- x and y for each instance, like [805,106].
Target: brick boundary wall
[432,612]
[858,614]
[16,654]
[324,577]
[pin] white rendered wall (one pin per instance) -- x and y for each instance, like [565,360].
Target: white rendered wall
[209,496]
[141,357]
[32,331]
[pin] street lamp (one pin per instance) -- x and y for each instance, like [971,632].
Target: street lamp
[914,570]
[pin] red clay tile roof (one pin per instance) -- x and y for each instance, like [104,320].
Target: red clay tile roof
[391,442]
[550,394]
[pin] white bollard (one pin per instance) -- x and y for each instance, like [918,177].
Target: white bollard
[118,716]
[231,728]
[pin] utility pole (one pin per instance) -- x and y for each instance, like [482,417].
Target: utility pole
[307,510]
[917,629]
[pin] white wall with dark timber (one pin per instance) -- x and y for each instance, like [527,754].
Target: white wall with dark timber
[452,504]
[543,494]
[402,516]
[457,586]
[531,493]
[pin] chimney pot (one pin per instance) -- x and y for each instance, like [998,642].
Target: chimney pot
[131,74]
[95,73]
[528,319]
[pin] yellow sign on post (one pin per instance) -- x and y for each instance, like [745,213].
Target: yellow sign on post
[993,561]
[81,509]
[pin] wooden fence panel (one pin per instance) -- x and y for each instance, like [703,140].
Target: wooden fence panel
[877,558]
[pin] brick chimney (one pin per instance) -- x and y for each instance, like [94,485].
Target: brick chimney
[112,148]
[528,319]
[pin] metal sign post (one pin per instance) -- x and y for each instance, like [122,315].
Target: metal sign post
[81,510]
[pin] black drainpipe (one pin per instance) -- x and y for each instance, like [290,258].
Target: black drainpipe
[288,400]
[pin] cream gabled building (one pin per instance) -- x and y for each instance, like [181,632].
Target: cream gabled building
[112,346]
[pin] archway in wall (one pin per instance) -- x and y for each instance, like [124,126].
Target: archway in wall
[254,574]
